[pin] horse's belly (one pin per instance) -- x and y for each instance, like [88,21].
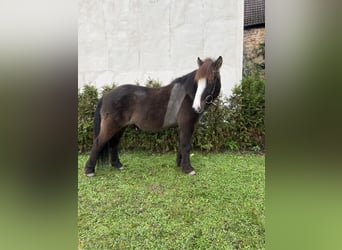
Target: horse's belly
[147,127]
[147,121]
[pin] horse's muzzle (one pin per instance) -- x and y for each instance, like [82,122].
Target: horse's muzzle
[199,111]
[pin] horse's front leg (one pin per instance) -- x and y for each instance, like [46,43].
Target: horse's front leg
[183,155]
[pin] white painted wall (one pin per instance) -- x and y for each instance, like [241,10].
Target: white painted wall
[125,41]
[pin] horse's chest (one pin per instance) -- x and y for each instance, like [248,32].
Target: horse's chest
[175,101]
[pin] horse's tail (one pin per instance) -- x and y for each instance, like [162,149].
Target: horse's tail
[104,153]
[97,118]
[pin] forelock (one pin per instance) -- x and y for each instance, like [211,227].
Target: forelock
[205,70]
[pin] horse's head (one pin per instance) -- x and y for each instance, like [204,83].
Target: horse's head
[208,83]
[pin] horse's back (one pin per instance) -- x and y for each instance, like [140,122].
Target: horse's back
[125,92]
[142,106]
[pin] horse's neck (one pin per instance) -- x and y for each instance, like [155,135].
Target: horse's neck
[189,83]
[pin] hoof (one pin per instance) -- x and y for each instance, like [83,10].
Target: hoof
[121,168]
[90,174]
[192,172]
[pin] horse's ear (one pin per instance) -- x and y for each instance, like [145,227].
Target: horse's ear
[199,62]
[218,63]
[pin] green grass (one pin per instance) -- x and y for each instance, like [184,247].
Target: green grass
[152,205]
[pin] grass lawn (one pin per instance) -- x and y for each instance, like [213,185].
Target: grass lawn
[153,205]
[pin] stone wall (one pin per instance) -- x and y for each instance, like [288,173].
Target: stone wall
[133,40]
[252,39]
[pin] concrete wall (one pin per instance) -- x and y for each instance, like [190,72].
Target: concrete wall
[125,41]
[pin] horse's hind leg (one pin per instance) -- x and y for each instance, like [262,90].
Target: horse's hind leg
[106,133]
[98,145]
[114,144]
[179,158]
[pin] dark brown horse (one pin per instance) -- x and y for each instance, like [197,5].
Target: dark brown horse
[180,103]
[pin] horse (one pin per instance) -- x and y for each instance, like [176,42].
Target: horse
[180,103]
